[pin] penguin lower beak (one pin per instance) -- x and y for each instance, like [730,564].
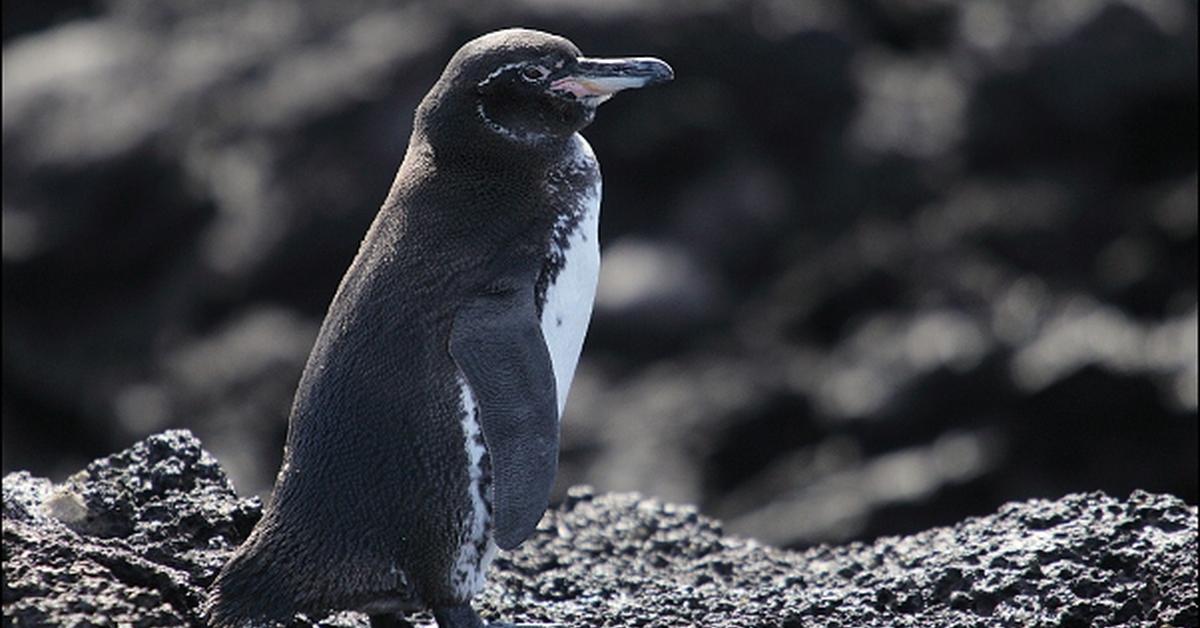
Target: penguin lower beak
[597,80]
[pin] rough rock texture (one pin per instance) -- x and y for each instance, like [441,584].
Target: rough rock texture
[870,266]
[129,539]
[136,537]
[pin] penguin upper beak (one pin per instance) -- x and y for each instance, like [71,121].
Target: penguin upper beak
[598,79]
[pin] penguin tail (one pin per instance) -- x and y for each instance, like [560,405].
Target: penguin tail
[250,590]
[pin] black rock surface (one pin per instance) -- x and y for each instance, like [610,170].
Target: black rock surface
[135,538]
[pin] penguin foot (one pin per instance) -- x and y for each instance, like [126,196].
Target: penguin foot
[389,621]
[461,616]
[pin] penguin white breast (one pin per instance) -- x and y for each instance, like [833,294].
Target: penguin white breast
[575,250]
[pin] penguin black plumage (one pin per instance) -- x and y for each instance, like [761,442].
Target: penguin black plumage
[424,431]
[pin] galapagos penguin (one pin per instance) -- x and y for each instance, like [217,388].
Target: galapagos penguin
[424,431]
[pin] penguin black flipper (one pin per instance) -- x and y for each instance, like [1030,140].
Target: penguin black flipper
[496,340]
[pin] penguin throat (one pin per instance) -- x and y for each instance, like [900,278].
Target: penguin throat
[519,136]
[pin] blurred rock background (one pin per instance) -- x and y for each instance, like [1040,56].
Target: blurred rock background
[870,265]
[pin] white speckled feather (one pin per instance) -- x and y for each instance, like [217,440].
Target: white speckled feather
[569,297]
[471,564]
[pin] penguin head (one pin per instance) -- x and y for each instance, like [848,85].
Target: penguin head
[529,87]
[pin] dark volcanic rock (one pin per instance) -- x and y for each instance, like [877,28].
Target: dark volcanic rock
[136,537]
[130,539]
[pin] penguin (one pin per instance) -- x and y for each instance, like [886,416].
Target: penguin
[423,436]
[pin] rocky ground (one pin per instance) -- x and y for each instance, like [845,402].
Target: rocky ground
[135,538]
[870,266]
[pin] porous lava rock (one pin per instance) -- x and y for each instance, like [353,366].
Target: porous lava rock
[135,538]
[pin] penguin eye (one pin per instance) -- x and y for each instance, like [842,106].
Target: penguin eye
[533,73]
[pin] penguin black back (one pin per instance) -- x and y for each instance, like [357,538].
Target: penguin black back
[424,429]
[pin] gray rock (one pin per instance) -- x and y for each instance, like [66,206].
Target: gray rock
[131,539]
[136,537]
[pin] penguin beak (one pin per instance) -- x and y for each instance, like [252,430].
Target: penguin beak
[596,80]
